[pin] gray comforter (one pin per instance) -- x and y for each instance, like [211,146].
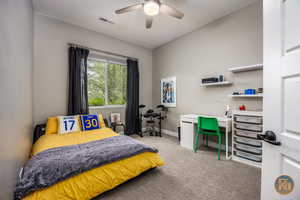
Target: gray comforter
[53,165]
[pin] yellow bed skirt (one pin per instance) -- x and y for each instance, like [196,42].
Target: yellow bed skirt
[91,183]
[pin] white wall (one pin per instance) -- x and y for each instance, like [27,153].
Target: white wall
[16,32]
[234,40]
[51,63]
[231,41]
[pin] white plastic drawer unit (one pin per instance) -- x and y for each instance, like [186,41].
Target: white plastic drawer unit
[248,119]
[250,127]
[249,156]
[247,148]
[245,133]
[241,140]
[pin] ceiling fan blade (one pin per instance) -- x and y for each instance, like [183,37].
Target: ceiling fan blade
[130,8]
[168,10]
[149,21]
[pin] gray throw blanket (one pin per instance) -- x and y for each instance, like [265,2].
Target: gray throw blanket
[53,165]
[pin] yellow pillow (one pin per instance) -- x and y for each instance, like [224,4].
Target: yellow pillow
[101,121]
[52,125]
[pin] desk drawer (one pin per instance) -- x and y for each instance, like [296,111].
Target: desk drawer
[249,149]
[244,133]
[248,119]
[255,143]
[249,127]
[248,156]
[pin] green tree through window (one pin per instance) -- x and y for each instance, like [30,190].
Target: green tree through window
[107,82]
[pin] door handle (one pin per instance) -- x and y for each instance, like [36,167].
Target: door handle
[269,137]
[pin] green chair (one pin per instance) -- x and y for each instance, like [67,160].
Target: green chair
[208,126]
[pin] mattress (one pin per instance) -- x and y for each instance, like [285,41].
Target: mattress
[93,182]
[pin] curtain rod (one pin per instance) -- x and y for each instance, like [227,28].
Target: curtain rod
[101,51]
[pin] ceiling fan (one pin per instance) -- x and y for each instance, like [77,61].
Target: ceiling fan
[152,8]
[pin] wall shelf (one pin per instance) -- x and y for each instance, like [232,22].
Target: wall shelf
[223,83]
[246,68]
[247,96]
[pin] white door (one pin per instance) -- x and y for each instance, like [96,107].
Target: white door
[281,100]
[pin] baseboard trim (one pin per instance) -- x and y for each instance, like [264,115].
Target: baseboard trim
[175,134]
[167,132]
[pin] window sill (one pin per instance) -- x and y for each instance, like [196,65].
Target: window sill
[108,106]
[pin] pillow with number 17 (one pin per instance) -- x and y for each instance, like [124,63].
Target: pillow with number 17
[68,124]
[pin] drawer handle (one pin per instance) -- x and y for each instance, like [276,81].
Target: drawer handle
[186,122]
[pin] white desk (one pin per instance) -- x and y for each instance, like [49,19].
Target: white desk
[188,129]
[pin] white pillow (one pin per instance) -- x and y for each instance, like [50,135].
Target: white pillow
[68,124]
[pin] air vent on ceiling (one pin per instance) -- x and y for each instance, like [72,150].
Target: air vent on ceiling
[106,20]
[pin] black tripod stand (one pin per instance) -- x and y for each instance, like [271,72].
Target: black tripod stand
[161,116]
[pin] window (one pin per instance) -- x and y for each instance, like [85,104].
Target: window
[107,82]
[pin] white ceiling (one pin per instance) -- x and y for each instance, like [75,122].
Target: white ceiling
[130,27]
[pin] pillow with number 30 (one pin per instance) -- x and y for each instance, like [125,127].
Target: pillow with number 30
[68,124]
[90,122]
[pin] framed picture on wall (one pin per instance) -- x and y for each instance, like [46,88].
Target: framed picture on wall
[168,91]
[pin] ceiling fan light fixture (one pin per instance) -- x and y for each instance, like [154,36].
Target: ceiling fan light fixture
[151,8]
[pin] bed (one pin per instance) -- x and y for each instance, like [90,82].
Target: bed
[90,183]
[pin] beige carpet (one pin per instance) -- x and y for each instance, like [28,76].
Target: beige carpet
[189,176]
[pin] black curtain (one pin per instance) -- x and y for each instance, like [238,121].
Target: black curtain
[78,95]
[132,108]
